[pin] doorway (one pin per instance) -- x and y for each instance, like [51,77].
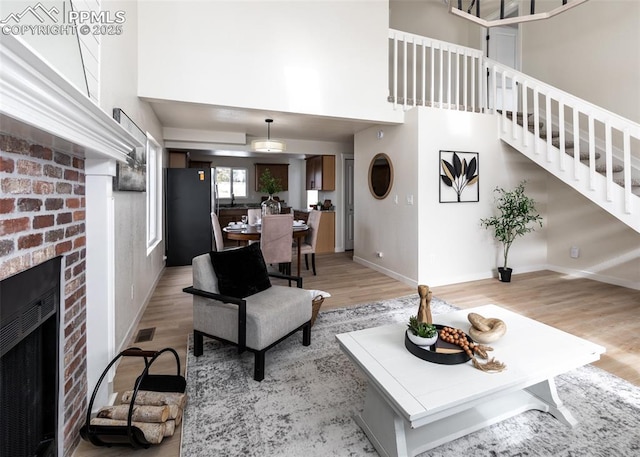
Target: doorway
[502,45]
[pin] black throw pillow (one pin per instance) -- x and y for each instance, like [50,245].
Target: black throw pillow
[241,272]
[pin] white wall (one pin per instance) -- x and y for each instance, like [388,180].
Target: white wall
[453,247]
[591,51]
[609,250]
[315,57]
[441,243]
[61,50]
[135,272]
[432,19]
[382,225]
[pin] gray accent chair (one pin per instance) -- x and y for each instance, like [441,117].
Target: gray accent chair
[255,323]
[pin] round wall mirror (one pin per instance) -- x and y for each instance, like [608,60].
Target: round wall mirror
[380,176]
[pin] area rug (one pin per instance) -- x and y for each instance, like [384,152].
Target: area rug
[306,403]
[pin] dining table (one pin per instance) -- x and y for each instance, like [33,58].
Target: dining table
[253,233]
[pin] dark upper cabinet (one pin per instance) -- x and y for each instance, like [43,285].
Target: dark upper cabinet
[321,172]
[278,170]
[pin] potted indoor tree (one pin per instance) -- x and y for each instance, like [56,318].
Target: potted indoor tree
[516,216]
[270,185]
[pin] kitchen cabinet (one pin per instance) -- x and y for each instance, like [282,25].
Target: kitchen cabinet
[278,170]
[199,164]
[326,233]
[178,159]
[321,172]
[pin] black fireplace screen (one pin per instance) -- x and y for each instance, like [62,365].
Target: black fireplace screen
[29,330]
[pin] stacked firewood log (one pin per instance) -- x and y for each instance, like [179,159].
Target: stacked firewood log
[156,414]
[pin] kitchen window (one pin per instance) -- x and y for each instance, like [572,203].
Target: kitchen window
[231,180]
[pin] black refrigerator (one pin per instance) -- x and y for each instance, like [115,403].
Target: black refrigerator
[188,206]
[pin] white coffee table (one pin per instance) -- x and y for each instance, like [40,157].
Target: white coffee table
[413,405]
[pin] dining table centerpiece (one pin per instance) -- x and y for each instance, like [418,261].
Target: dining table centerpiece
[270,185]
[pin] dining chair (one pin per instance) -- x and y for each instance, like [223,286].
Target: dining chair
[276,240]
[308,245]
[217,232]
[254,215]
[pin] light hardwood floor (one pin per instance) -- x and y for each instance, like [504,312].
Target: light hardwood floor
[602,313]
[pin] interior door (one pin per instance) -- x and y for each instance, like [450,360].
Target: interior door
[349,207]
[503,48]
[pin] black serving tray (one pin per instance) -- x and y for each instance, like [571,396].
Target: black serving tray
[437,357]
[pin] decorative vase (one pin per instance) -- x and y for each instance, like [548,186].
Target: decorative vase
[270,206]
[504,274]
[420,341]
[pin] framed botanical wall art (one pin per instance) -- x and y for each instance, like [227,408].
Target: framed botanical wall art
[459,177]
[131,176]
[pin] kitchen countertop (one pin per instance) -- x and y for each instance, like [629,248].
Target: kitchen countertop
[240,206]
[311,209]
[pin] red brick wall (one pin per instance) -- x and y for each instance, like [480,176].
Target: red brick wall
[42,215]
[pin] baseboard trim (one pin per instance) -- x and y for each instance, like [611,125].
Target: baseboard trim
[595,277]
[127,341]
[494,274]
[385,271]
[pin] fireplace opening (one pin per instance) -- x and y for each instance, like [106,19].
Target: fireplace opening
[29,364]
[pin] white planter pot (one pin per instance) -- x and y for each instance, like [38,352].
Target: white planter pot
[419,341]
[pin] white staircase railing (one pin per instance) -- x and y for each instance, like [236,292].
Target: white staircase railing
[428,72]
[593,150]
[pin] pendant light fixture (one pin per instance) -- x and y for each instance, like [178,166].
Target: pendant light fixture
[268,145]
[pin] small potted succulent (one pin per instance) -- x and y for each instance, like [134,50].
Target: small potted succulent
[421,333]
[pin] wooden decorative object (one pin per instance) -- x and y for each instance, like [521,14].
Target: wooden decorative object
[141,413]
[486,330]
[169,428]
[155,410]
[147,397]
[424,311]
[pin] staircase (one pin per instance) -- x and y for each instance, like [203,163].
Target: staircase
[589,148]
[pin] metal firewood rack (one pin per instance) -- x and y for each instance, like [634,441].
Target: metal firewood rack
[109,435]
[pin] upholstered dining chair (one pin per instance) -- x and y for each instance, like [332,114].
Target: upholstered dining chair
[217,232]
[254,215]
[308,245]
[234,302]
[276,239]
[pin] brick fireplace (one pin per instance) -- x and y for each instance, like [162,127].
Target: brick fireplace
[42,216]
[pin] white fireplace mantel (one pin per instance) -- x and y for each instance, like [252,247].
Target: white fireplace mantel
[40,104]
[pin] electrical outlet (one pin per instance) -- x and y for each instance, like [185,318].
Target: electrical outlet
[409,199]
[574,252]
